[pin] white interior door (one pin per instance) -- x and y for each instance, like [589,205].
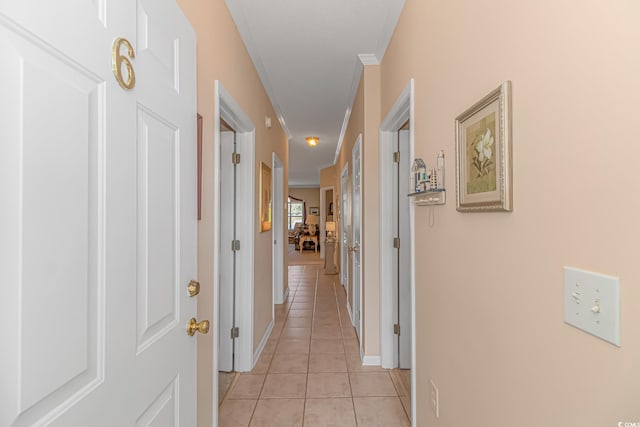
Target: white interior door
[345,228]
[403,260]
[227,299]
[356,253]
[98,218]
[278,230]
[227,110]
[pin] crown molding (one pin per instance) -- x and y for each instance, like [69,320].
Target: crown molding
[369,59]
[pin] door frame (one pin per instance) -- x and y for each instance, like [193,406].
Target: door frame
[323,215]
[402,262]
[402,110]
[279,293]
[227,109]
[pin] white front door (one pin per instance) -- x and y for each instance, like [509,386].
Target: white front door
[356,253]
[98,215]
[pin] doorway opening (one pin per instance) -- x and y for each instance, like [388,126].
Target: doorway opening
[326,216]
[397,249]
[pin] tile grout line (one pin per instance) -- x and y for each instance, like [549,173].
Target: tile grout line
[353,403]
[271,360]
[313,316]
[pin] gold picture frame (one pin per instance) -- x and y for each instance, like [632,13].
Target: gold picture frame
[483,154]
[265,197]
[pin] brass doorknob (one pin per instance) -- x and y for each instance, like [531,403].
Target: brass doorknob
[193,326]
[193,288]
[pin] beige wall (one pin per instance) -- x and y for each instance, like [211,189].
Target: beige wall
[311,195]
[365,120]
[490,329]
[222,56]
[371,212]
[328,177]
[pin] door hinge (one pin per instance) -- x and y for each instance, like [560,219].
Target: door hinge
[235,332]
[235,158]
[396,329]
[396,242]
[235,245]
[396,157]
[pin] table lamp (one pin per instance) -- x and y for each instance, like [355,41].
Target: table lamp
[330,226]
[312,221]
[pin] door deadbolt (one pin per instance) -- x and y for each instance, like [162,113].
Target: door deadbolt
[193,326]
[193,288]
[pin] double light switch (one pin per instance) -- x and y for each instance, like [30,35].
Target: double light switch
[592,303]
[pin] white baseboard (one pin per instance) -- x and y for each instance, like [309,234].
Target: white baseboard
[263,342]
[281,299]
[371,361]
[349,312]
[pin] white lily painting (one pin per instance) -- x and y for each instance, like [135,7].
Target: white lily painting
[484,154]
[481,155]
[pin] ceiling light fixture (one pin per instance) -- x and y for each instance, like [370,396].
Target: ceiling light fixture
[312,141]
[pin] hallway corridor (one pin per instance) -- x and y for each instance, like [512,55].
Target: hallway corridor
[310,371]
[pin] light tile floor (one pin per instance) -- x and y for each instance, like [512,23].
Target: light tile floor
[310,373]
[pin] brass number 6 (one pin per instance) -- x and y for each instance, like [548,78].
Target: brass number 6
[118,59]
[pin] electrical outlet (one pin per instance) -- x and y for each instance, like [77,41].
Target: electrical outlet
[435,399]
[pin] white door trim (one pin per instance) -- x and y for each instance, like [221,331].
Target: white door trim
[278,231]
[402,110]
[227,108]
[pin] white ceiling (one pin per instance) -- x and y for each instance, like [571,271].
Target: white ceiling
[306,53]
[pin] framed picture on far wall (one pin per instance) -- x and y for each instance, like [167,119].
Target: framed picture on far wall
[265,197]
[314,211]
[483,154]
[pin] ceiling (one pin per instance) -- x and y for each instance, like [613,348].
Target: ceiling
[307,55]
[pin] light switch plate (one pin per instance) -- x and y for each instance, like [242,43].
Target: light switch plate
[592,303]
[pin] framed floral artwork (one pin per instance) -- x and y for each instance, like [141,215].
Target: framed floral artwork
[483,154]
[265,197]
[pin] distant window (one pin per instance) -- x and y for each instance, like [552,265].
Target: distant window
[295,213]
